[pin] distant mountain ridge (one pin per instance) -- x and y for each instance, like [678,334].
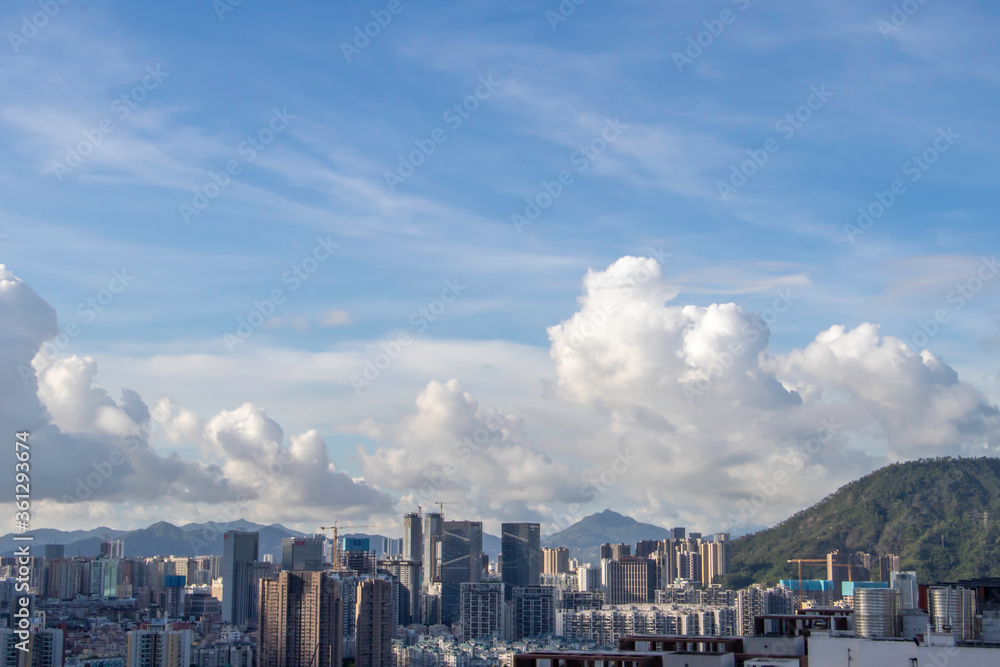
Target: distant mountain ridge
[159,539]
[585,537]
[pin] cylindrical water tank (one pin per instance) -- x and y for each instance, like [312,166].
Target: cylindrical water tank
[877,612]
[953,609]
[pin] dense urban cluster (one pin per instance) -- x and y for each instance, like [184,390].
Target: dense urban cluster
[435,597]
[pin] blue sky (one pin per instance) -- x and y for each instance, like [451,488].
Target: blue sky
[655,188]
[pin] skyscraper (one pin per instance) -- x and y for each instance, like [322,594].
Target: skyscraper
[521,548]
[357,556]
[461,562]
[887,563]
[408,574]
[53,551]
[44,648]
[555,560]
[629,580]
[645,548]
[104,578]
[714,560]
[413,543]
[534,612]
[482,610]
[302,554]
[906,584]
[374,623]
[160,647]
[173,596]
[301,621]
[239,578]
[113,549]
[433,525]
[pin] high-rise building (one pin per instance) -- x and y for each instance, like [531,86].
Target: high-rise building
[620,550]
[461,562]
[302,554]
[173,596]
[482,610]
[240,577]
[104,578]
[407,572]
[432,534]
[239,654]
[714,560]
[841,567]
[555,560]
[113,549]
[906,584]
[413,543]
[301,621]
[758,601]
[521,550]
[645,548]
[629,580]
[44,648]
[374,624]
[588,578]
[533,612]
[888,563]
[53,551]
[356,555]
[159,647]
[689,566]
[678,533]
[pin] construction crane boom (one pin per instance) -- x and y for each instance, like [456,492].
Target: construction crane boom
[826,562]
[336,540]
[442,503]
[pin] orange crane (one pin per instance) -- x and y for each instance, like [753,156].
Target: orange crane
[336,546]
[849,566]
[442,503]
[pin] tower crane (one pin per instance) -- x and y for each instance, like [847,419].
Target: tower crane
[849,566]
[336,540]
[442,503]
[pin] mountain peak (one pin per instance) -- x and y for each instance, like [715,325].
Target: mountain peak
[585,536]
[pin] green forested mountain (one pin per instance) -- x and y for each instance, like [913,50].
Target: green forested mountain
[941,516]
